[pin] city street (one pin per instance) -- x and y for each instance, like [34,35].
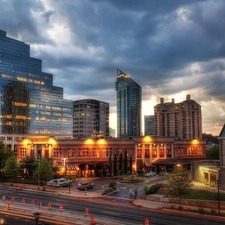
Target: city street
[113,209]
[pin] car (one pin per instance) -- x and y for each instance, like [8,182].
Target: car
[62,182]
[150,174]
[162,173]
[50,183]
[85,186]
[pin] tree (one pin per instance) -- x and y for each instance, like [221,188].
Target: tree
[178,182]
[125,162]
[11,169]
[110,164]
[210,137]
[213,153]
[115,165]
[44,171]
[131,169]
[5,153]
[28,165]
[121,162]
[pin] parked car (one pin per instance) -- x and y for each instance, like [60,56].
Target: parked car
[162,173]
[50,183]
[61,182]
[85,186]
[150,174]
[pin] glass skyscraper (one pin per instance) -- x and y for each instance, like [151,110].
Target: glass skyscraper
[29,102]
[129,98]
[90,119]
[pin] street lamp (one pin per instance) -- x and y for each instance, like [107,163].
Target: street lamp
[37,217]
[38,171]
[218,186]
[64,159]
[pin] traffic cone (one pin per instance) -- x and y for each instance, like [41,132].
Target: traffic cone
[39,204]
[92,222]
[32,202]
[18,188]
[49,205]
[86,211]
[146,221]
[12,199]
[61,207]
[8,207]
[23,200]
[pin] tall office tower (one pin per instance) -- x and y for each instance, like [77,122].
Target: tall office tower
[29,102]
[180,120]
[129,99]
[149,124]
[90,119]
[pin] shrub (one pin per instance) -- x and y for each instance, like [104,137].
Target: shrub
[180,208]
[113,185]
[140,172]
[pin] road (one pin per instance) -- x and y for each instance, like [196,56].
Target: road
[116,208]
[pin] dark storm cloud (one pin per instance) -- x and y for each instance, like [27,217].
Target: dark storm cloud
[170,48]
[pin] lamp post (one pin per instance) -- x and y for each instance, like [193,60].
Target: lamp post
[37,217]
[38,171]
[218,186]
[64,159]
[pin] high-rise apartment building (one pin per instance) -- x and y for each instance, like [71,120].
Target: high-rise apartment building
[90,119]
[29,102]
[149,124]
[180,120]
[129,98]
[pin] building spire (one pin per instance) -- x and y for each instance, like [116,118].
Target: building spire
[119,72]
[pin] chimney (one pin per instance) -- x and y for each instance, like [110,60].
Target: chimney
[188,97]
[173,101]
[161,100]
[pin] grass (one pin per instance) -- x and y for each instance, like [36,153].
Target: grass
[204,195]
[133,180]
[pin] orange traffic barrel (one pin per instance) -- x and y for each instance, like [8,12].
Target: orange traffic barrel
[146,221]
[86,211]
[12,199]
[49,205]
[39,204]
[92,222]
[22,200]
[61,207]
[8,207]
[32,202]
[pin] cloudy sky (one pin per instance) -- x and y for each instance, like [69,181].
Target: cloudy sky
[170,47]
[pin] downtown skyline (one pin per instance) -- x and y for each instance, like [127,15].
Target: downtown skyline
[171,49]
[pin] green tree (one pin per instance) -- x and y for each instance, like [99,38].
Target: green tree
[210,137]
[5,153]
[131,169]
[110,164]
[121,162]
[178,182]
[28,165]
[125,164]
[44,171]
[115,165]
[213,153]
[11,168]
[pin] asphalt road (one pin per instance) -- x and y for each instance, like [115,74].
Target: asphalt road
[107,208]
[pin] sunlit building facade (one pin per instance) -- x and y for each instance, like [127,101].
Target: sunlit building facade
[90,119]
[180,120]
[87,157]
[30,104]
[129,103]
